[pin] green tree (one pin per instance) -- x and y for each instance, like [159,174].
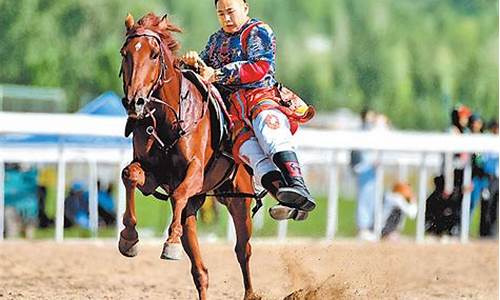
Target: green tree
[411,60]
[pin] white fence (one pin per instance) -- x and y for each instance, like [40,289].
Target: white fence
[409,148]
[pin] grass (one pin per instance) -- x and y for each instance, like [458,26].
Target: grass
[153,216]
[75,232]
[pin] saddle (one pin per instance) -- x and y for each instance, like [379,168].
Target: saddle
[220,119]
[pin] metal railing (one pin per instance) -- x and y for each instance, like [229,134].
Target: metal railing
[423,146]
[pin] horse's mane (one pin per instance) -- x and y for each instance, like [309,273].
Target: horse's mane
[162,26]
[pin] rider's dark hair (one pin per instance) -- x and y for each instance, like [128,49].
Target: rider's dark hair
[215,2]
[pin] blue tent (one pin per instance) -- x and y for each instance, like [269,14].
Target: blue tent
[108,104]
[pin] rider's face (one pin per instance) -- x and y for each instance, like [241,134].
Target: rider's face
[232,14]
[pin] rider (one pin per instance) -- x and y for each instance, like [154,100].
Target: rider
[239,59]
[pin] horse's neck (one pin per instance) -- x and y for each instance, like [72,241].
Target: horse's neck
[171,90]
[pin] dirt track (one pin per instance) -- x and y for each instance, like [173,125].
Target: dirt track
[342,270]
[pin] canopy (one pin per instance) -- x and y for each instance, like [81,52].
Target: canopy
[107,104]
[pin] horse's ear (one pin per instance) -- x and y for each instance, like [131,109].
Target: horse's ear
[129,21]
[164,21]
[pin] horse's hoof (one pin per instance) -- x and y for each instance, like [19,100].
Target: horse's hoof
[128,248]
[252,296]
[171,251]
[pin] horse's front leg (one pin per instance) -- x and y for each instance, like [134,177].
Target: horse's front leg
[190,186]
[132,175]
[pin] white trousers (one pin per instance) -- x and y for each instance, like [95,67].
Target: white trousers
[272,135]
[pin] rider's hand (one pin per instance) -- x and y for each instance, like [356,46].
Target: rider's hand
[191,59]
[208,73]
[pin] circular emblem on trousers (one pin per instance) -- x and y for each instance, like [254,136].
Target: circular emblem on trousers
[272,121]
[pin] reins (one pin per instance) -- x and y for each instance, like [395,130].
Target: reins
[151,130]
[160,81]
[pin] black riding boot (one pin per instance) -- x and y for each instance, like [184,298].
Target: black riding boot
[295,192]
[272,181]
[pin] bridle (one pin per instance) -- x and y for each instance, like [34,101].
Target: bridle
[179,130]
[162,77]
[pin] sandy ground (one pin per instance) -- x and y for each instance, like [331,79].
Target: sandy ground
[300,270]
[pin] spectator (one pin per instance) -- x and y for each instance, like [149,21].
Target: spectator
[480,180]
[443,207]
[363,164]
[475,124]
[460,125]
[106,207]
[398,203]
[76,207]
[460,119]
[489,197]
[45,179]
[381,122]
[21,202]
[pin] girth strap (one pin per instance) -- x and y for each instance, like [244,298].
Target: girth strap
[258,197]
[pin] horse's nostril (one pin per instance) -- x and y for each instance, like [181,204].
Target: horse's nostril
[140,101]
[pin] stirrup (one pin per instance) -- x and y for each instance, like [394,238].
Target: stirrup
[281,212]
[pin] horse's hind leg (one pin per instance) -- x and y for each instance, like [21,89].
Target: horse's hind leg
[190,244]
[239,209]
[132,175]
[240,212]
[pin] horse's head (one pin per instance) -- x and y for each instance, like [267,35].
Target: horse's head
[148,56]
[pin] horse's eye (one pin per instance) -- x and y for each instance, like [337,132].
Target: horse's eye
[123,52]
[155,54]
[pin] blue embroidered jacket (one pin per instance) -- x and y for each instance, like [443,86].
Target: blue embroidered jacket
[243,60]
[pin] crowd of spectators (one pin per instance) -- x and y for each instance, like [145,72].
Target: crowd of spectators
[26,197]
[444,205]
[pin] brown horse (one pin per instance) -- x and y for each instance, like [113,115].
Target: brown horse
[172,133]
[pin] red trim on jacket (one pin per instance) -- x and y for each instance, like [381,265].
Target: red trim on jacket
[252,72]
